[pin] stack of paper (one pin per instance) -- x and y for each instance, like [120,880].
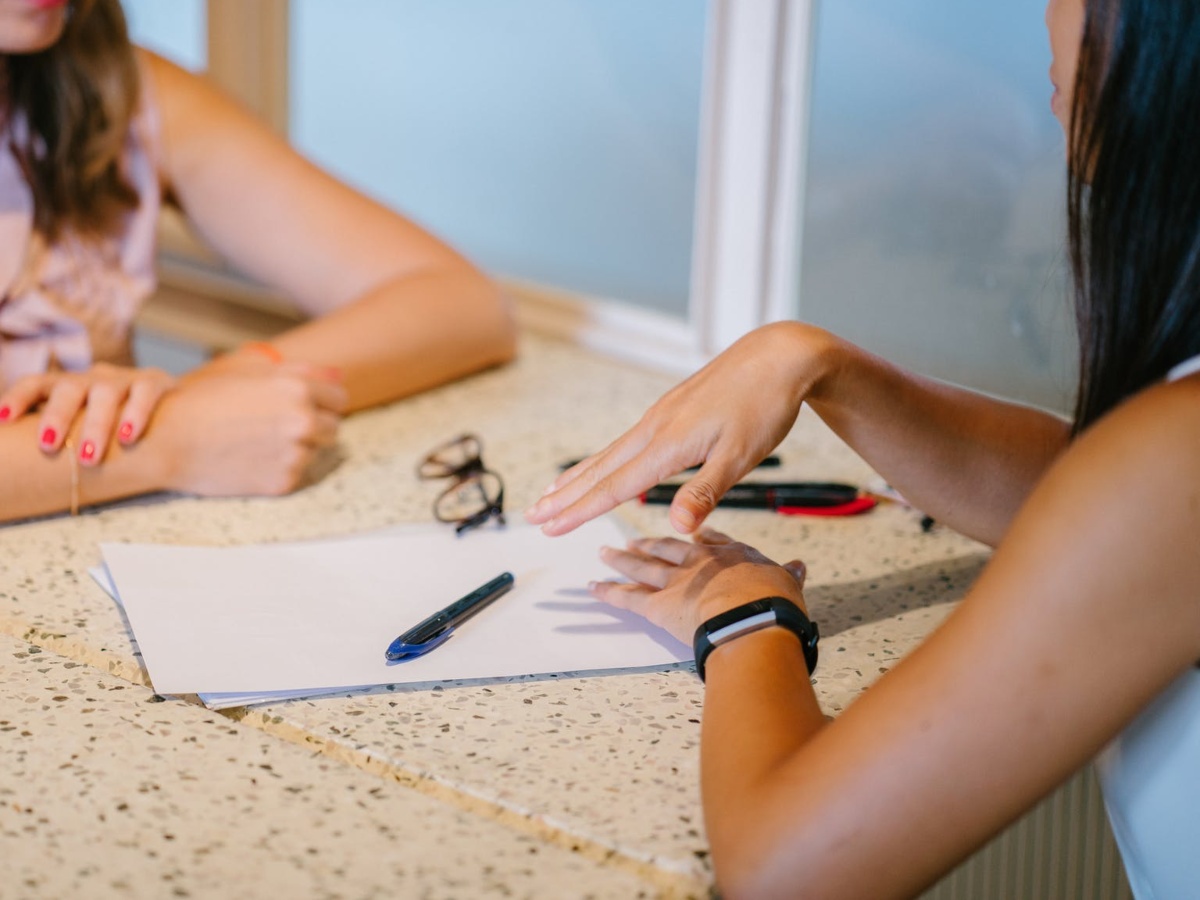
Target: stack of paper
[251,624]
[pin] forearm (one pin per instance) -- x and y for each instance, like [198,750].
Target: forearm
[409,334]
[759,709]
[966,459]
[35,484]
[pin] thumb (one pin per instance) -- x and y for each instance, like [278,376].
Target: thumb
[798,570]
[699,495]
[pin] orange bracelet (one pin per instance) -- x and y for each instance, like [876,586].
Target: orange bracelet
[265,349]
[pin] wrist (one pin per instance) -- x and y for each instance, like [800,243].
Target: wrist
[774,647]
[253,357]
[772,613]
[156,456]
[811,357]
[824,358]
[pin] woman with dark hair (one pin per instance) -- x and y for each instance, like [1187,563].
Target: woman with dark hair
[1080,639]
[95,137]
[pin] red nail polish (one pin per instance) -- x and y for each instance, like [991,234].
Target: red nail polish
[88,451]
[5,412]
[48,437]
[126,432]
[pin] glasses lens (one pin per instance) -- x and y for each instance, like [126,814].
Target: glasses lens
[475,494]
[451,458]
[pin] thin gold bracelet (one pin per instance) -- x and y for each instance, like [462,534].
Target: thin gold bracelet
[69,446]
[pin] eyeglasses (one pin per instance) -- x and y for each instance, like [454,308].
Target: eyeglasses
[476,493]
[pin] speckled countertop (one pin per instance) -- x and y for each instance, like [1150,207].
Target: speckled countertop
[530,787]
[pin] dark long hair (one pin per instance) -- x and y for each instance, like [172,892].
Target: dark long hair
[78,98]
[1134,197]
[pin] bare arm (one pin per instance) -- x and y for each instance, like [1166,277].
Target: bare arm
[966,459]
[218,436]
[36,483]
[1087,612]
[395,309]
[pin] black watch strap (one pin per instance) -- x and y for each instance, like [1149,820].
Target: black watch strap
[770,612]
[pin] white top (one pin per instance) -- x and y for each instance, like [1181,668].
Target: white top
[1150,775]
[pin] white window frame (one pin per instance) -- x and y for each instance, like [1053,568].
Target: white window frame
[747,232]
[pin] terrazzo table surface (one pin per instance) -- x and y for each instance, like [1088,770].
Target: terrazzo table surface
[565,786]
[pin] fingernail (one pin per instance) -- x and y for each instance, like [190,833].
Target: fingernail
[125,432]
[531,513]
[48,437]
[5,412]
[88,451]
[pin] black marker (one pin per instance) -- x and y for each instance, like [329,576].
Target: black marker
[770,494]
[770,462]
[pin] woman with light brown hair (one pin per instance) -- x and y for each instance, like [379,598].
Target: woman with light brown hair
[97,136]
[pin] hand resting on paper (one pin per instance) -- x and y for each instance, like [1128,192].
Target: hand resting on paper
[678,584]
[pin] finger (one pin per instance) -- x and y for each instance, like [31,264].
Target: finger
[65,400]
[99,418]
[621,595]
[569,474]
[646,570]
[293,466]
[324,429]
[712,536]
[582,477]
[586,503]
[798,570]
[328,395]
[23,395]
[144,396]
[615,454]
[699,494]
[670,549]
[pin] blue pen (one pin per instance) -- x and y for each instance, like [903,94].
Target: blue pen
[435,630]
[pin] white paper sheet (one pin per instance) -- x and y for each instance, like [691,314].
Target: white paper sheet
[303,618]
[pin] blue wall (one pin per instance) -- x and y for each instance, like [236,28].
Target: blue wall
[551,140]
[934,226]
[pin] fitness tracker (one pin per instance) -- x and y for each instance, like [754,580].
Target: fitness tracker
[750,617]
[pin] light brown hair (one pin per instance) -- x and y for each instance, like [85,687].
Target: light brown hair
[77,98]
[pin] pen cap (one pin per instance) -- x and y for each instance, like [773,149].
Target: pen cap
[853,508]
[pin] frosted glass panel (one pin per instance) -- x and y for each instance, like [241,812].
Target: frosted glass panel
[551,140]
[176,29]
[934,225]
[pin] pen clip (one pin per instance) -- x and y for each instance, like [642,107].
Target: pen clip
[398,651]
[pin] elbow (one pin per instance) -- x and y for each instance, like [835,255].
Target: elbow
[495,321]
[506,328]
[758,861]
[754,878]
[743,866]
[746,875]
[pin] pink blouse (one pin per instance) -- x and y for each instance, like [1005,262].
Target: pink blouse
[71,303]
